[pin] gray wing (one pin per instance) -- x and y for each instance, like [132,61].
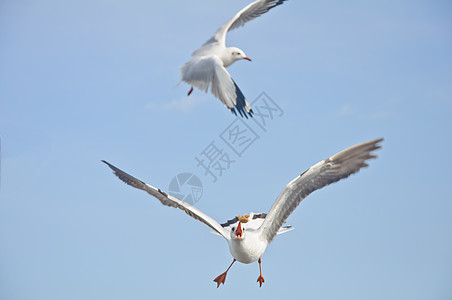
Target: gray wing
[250,12]
[169,200]
[335,168]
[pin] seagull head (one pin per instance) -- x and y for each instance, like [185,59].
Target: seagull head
[238,233]
[237,54]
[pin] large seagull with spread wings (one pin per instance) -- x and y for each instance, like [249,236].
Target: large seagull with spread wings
[248,236]
[207,68]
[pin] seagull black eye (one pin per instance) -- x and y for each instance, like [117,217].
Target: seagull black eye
[233,228]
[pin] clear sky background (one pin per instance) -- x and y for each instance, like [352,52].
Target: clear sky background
[82,81]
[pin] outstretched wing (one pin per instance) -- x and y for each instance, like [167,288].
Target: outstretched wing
[169,200]
[335,168]
[250,12]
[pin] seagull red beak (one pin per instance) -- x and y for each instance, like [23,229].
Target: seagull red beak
[238,232]
[247,58]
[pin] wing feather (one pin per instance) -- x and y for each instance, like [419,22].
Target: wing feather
[223,87]
[330,170]
[250,12]
[169,200]
[208,72]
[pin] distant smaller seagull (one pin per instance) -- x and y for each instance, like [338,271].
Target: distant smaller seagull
[248,236]
[207,68]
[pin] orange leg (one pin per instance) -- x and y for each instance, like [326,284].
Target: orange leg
[260,279]
[190,91]
[221,278]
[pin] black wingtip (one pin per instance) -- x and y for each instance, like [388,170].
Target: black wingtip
[107,163]
[242,104]
[113,168]
[376,143]
[242,112]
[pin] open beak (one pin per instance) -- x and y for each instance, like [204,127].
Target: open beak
[238,232]
[247,58]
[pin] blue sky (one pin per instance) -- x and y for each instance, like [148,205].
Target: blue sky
[82,81]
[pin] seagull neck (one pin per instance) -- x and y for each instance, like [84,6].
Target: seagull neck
[227,58]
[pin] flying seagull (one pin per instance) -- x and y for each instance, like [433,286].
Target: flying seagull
[248,236]
[207,68]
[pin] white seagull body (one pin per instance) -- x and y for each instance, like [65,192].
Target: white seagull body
[207,68]
[248,236]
